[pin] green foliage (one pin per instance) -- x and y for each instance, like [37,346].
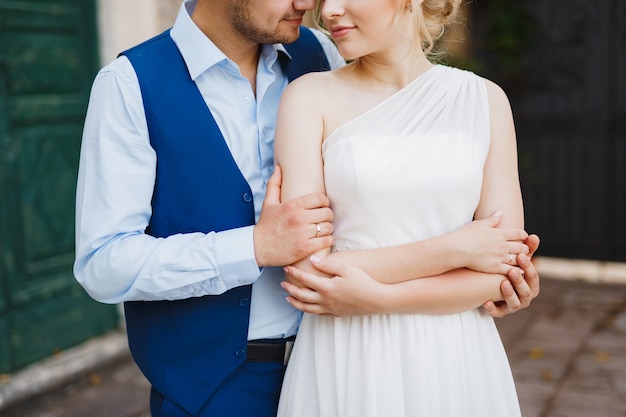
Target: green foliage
[510,33]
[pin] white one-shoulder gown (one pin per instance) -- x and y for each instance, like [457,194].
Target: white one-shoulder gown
[409,169]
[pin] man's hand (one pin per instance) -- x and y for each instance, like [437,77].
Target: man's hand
[288,232]
[345,291]
[522,287]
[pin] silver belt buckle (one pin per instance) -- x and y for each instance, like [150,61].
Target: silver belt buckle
[288,347]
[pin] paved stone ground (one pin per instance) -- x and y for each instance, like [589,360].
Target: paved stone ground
[568,351]
[568,354]
[117,391]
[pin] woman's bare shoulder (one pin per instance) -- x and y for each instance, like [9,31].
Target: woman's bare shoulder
[314,92]
[317,82]
[495,93]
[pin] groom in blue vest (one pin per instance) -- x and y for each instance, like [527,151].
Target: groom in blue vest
[178,208]
[176,159]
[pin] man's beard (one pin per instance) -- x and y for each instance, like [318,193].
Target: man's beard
[244,23]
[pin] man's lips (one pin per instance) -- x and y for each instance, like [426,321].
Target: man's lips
[296,21]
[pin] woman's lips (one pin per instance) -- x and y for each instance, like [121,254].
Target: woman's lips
[340,31]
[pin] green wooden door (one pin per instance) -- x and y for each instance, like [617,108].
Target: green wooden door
[48,58]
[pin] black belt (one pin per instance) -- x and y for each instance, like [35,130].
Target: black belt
[269,350]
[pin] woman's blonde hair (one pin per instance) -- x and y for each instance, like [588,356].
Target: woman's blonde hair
[434,17]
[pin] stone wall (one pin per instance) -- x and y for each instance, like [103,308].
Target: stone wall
[123,23]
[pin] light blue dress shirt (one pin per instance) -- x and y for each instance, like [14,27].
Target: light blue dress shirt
[115,260]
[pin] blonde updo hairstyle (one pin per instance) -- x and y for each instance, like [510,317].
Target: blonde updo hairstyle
[432,18]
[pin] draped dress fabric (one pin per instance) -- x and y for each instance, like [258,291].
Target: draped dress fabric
[408,169]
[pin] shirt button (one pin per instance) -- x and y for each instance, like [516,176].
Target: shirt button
[244,302]
[247,100]
[247,198]
[239,353]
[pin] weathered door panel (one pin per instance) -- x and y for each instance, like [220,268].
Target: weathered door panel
[48,53]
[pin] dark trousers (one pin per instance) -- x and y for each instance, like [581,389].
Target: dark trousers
[252,391]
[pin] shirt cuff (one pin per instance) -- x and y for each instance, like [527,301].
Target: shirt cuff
[235,256]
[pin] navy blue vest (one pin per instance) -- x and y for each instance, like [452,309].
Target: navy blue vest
[187,348]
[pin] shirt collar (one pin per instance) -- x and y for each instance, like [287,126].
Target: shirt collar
[199,52]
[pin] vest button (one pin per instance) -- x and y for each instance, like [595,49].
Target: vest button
[247,198]
[240,353]
[244,302]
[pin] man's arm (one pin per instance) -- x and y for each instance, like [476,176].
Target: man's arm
[287,232]
[116,260]
[522,287]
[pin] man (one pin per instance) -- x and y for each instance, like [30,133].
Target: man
[171,219]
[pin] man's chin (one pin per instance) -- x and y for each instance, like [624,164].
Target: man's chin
[291,37]
[284,36]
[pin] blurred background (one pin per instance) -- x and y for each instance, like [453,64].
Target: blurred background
[563,65]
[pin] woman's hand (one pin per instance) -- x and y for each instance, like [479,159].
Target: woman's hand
[336,289]
[483,247]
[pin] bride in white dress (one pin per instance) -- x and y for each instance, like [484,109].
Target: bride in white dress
[406,151]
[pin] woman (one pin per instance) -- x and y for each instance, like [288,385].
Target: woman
[406,151]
